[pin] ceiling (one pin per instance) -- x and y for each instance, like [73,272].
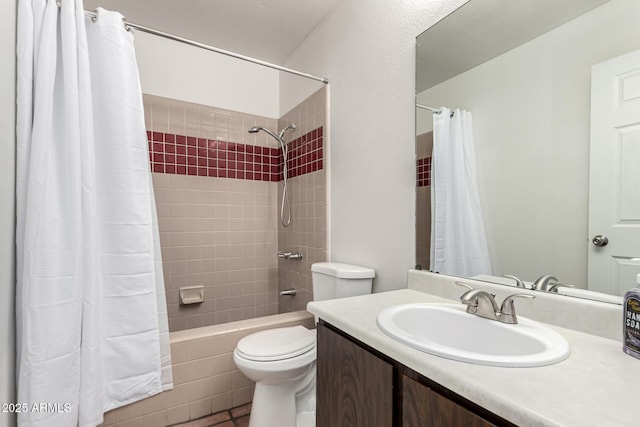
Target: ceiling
[485,29]
[267,30]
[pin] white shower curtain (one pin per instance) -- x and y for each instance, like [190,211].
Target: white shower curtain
[90,305]
[458,237]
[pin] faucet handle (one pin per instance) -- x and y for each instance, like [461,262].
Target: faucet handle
[469,287]
[554,287]
[542,283]
[519,283]
[471,304]
[508,308]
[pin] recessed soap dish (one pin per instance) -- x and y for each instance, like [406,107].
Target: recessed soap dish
[191,295]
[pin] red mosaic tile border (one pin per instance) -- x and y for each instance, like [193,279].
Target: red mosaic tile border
[306,153]
[187,155]
[423,168]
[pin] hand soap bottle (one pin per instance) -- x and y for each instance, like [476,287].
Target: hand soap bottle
[631,307]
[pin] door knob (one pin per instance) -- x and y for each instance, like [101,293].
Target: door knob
[600,240]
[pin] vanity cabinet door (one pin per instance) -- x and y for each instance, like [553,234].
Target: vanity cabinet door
[354,387]
[423,407]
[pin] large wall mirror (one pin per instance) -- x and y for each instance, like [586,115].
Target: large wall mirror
[532,74]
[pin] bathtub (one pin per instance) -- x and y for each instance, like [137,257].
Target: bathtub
[205,379]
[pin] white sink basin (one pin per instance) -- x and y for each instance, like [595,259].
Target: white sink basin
[447,330]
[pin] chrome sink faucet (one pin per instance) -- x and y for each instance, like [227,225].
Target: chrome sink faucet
[549,283]
[483,304]
[545,282]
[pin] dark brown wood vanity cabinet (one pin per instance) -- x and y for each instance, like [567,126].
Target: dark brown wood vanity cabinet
[354,387]
[359,387]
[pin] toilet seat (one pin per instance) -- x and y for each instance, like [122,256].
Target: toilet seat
[277,344]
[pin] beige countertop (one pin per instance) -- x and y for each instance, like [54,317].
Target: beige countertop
[594,386]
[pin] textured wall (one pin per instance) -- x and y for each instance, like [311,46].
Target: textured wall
[174,70]
[367,49]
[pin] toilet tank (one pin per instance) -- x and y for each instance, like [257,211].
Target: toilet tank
[335,280]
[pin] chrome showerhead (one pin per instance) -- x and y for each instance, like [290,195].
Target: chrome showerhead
[278,137]
[283,146]
[292,126]
[256,129]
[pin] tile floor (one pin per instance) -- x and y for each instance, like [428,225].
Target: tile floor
[236,417]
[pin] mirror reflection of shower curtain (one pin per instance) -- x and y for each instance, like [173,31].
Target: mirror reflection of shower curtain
[458,237]
[92,332]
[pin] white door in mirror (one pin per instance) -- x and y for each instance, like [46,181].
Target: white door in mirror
[614,177]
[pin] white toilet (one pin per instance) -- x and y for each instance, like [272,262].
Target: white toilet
[281,361]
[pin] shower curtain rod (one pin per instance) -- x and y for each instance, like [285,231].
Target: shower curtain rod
[433,110]
[129,25]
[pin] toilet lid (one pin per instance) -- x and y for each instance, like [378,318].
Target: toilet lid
[277,344]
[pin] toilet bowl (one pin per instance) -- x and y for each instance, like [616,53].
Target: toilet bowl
[282,361]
